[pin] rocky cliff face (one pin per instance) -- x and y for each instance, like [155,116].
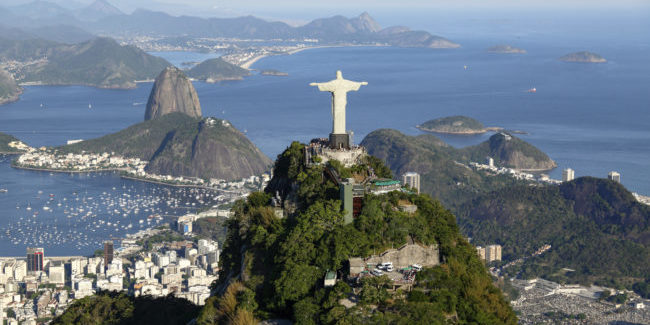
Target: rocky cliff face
[172,92]
[9,90]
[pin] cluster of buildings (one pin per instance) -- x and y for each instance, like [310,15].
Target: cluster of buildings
[183,268]
[38,287]
[568,174]
[517,174]
[544,302]
[51,159]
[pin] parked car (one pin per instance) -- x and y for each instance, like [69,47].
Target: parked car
[417,267]
[386,265]
[377,272]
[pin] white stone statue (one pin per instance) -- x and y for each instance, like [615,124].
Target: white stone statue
[339,88]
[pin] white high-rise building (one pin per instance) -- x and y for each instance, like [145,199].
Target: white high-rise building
[614,176]
[568,175]
[413,180]
[493,253]
[489,161]
[481,252]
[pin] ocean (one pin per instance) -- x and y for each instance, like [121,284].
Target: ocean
[593,118]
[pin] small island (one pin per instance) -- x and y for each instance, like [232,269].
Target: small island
[271,72]
[456,125]
[506,49]
[583,57]
[213,70]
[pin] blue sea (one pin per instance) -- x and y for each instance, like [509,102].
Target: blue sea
[593,118]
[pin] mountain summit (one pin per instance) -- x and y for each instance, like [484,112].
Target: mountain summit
[365,23]
[97,10]
[172,92]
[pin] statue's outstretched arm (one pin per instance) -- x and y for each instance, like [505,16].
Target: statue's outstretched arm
[354,86]
[325,86]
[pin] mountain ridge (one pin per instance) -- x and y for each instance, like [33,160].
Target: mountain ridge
[100,62]
[587,221]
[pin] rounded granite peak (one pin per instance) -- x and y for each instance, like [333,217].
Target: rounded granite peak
[172,92]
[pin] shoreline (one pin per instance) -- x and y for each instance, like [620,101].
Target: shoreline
[475,132]
[249,63]
[121,176]
[175,185]
[68,171]
[116,87]
[11,99]
[167,184]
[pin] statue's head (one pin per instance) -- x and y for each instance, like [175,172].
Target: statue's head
[339,75]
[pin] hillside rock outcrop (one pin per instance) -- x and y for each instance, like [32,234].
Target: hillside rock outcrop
[172,92]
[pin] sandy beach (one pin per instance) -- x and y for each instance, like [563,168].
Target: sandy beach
[249,63]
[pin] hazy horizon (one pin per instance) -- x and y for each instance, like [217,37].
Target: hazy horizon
[297,12]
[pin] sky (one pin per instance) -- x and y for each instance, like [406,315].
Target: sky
[306,10]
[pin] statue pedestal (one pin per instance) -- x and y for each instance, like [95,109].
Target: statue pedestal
[339,141]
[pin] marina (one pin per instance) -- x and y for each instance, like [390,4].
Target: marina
[72,214]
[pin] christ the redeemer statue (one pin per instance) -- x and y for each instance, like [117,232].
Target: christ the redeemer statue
[339,88]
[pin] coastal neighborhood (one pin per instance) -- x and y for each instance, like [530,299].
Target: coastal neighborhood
[37,287]
[51,160]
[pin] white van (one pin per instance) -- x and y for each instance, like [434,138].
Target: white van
[417,267]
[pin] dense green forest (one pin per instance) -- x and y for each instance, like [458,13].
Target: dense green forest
[595,226]
[274,267]
[120,308]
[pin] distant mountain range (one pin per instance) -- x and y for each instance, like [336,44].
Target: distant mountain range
[59,33]
[337,29]
[102,18]
[50,11]
[100,62]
